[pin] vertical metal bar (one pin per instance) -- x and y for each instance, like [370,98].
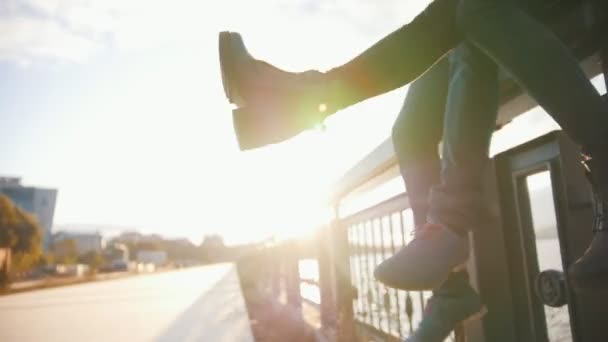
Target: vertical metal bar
[421,297]
[386,294]
[363,275]
[407,294]
[395,292]
[368,284]
[604,61]
[360,281]
[343,285]
[348,247]
[326,280]
[354,262]
[374,248]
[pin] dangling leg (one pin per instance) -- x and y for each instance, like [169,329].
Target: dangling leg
[416,136]
[442,245]
[548,71]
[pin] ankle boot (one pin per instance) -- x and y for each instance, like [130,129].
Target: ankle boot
[273,104]
[394,61]
[590,272]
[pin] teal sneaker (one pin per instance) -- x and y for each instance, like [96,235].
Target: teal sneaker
[454,302]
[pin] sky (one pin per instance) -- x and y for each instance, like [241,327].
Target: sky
[119,105]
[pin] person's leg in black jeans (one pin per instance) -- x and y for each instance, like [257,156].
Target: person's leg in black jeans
[416,135]
[536,59]
[469,123]
[470,116]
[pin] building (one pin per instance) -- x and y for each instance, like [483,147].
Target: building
[37,201]
[85,242]
[158,258]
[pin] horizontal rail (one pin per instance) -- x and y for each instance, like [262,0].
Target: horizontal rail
[309,281]
[394,204]
[383,157]
[311,303]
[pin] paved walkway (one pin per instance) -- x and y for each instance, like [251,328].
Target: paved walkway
[196,304]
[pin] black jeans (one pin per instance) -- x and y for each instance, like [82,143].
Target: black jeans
[505,33]
[455,101]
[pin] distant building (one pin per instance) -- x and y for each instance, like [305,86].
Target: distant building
[37,201]
[117,256]
[117,252]
[136,237]
[158,258]
[129,237]
[85,242]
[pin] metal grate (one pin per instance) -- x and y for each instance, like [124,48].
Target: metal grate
[374,235]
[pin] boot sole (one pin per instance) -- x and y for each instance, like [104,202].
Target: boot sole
[227,66]
[257,127]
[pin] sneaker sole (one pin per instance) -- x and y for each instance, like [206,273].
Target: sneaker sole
[474,317]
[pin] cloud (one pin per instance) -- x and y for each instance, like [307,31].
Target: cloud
[24,40]
[55,30]
[75,30]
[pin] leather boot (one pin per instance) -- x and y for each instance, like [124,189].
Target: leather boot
[273,104]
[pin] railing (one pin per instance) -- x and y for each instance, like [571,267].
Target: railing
[352,304]
[374,234]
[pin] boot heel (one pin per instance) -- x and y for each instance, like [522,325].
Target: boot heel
[260,125]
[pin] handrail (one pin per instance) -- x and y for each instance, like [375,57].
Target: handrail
[383,156]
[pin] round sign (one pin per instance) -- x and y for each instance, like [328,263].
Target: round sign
[551,288]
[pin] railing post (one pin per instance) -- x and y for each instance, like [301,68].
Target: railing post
[604,61]
[275,279]
[292,276]
[326,280]
[343,286]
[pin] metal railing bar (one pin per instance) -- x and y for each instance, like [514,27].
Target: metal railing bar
[349,244]
[376,286]
[359,282]
[312,303]
[365,270]
[386,289]
[421,297]
[404,242]
[309,281]
[362,270]
[395,292]
[393,204]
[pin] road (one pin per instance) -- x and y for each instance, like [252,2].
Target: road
[195,304]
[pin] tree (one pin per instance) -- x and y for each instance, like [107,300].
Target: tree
[93,259]
[21,233]
[66,251]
